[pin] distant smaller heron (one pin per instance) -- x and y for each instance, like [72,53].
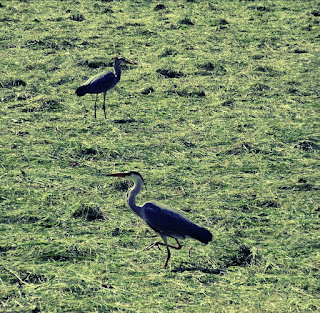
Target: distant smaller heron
[165,222]
[102,83]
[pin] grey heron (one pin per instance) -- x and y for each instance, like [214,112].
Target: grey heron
[102,83]
[165,222]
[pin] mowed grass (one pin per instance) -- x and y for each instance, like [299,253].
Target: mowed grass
[220,116]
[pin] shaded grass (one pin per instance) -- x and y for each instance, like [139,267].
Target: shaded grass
[229,136]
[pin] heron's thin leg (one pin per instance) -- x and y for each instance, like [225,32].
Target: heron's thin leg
[179,245]
[104,104]
[168,257]
[168,250]
[167,246]
[95,107]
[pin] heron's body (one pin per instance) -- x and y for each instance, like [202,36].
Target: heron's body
[101,83]
[165,222]
[175,226]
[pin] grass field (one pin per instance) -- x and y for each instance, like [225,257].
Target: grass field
[220,115]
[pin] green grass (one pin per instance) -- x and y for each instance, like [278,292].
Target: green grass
[231,140]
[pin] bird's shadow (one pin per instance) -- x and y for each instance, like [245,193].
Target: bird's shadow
[125,121]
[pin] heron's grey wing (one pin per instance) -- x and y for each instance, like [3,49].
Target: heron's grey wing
[173,224]
[100,82]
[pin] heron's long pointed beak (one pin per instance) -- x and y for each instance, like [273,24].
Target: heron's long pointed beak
[130,62]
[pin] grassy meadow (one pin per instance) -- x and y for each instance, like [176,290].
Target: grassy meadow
[220,115]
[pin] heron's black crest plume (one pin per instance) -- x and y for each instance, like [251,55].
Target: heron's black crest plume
[136,173]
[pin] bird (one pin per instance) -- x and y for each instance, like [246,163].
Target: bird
[165,222]
[102,83]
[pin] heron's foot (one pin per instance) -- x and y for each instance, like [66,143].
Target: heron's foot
[158,244]
[190,251]
[155,244]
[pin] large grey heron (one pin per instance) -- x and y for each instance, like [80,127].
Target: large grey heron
[165,222]
[102,83]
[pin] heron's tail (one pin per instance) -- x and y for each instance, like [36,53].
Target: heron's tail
[202,235]
[81,91]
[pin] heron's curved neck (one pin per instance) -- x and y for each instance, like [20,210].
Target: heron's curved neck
[131,197]
[117,70]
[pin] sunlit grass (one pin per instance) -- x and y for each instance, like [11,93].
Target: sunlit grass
[230,139]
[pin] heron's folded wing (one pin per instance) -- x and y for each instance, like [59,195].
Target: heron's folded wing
[173,224]
[100,82]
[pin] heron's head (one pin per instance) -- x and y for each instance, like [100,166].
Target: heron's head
[131,175]
[119,60]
